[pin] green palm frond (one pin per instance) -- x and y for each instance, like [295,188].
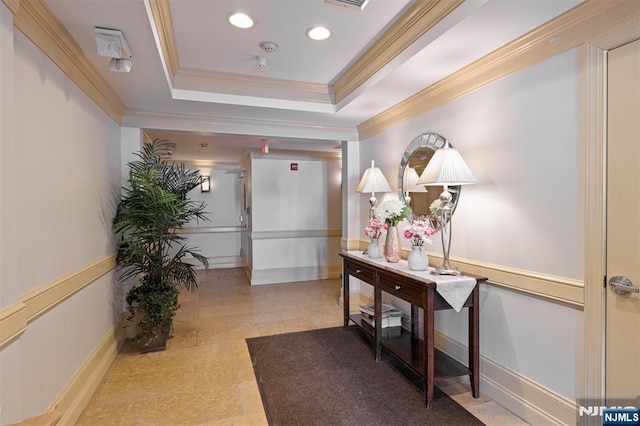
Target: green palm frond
[154,205]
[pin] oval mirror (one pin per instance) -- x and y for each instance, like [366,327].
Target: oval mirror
[415,159]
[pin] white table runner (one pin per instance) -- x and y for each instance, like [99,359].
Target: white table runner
[454,289]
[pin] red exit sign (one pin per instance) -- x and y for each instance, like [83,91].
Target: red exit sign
[294,166]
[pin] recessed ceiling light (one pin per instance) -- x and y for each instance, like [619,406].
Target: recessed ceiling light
[240,20]
[318,33]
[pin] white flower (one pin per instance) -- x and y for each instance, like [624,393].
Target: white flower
[392,211]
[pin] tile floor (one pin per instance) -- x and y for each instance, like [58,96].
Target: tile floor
[207,359]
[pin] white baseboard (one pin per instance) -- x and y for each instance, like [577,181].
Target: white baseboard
[527,399]
[223,262]
[286,275]
[74,397]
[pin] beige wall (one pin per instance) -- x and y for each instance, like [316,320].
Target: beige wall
[60,176]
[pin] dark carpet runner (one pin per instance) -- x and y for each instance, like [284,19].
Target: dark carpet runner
[330,377]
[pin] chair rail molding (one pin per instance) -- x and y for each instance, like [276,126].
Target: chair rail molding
[15,318]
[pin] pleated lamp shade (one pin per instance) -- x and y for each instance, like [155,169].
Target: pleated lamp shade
[410,181]
[447,167]
[373,181]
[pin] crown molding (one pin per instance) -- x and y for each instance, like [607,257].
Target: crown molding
[245,85]
[193,84]
[13,5]
[185,81]
[38,23]
[161,13]
[591,20]
[236,125]
[415,22]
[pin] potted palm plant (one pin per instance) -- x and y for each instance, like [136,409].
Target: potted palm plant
[153,207]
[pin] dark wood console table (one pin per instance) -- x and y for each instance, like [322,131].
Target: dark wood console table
[420,292]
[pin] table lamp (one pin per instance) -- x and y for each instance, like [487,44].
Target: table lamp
[446,168]
[373,181]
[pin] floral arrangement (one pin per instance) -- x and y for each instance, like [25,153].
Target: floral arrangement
[375,228]
[419,231]
[392,212]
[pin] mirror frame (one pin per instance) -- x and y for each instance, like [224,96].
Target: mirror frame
[432,141]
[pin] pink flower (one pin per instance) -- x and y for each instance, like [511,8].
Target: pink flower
[375,228]
[419,231]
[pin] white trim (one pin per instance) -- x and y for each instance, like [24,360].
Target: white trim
[304,273]
[236,125]
[305,233]
[223,262]
[210,229]
[522,396]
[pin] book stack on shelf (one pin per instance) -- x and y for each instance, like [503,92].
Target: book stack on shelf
[391,319]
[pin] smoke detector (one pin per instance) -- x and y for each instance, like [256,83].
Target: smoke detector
[269,46]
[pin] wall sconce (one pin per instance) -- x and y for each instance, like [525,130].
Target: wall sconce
[205,184]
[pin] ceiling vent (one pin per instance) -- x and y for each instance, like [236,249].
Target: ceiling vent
[351,4]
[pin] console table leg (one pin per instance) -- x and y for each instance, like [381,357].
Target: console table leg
[428,350]
[345,299]
[474,342]
[377,333]
[415,320]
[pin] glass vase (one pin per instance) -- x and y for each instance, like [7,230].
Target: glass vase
[373,250]
[392,245]
[418,259]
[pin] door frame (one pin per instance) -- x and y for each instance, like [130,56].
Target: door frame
[590,373]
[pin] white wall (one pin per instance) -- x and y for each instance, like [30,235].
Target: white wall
[218,238]
[292,214]
[223,200]
[307,198]
[60,177]
[520,137]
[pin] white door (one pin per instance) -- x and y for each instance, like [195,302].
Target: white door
[622,374]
